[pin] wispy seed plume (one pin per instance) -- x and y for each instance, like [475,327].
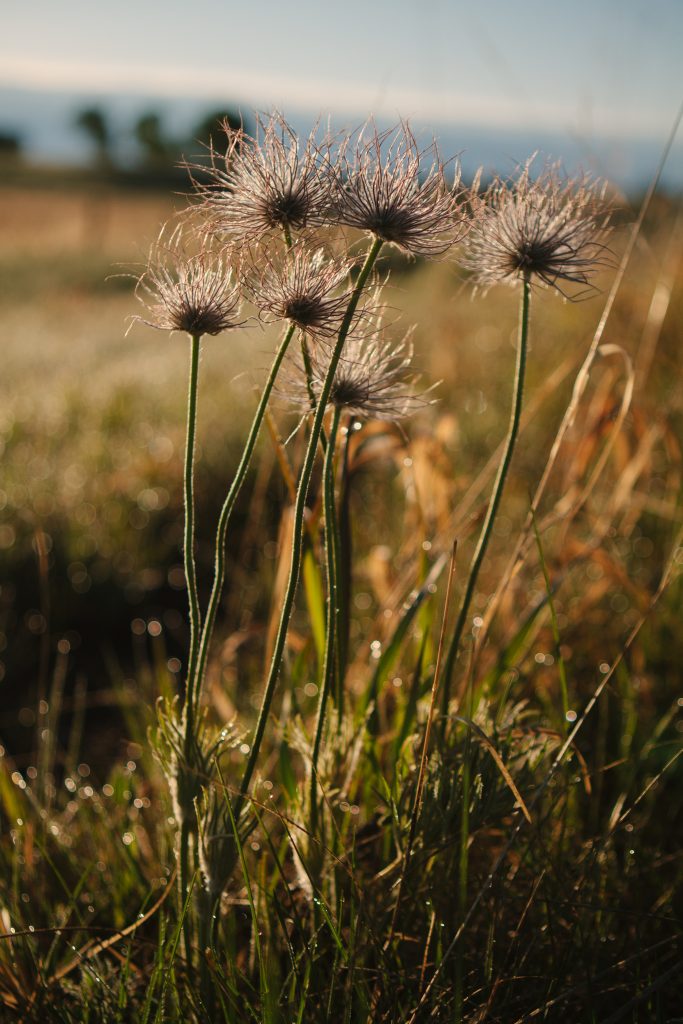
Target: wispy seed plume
[391,189]
[188,291]
[270,182]
[551,228]
[304,286]
[375,378]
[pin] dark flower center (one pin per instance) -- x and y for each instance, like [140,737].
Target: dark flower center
[534,255]
[390,224]
[303,310]
[348,392]
[200,320]
[287,208]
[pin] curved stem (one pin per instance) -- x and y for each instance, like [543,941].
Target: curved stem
[226,512]
[299,512]
[188,540]
[329,663]
[498,486]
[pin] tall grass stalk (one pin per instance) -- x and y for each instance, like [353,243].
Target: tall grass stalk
[422,772]
[331,643]
[299,512]
[561,667]
[499,484]
[464,856]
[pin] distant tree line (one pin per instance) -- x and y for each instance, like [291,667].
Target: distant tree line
[10,145]
[158,150]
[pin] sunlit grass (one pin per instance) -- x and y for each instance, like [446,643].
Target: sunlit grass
[581,918]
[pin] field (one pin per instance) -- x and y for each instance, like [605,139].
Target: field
[531,869]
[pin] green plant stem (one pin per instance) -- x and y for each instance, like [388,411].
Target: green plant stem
[308,370]
[329,663]
[226,512]
[343,564]
[188,542]
[496,495]
[463,872]
[207,910]
[299,512]
[183,886]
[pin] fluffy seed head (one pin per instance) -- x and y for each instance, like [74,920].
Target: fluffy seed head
[374,378]
[303,286]
[381,189]
[267,183]
[550,228]
[188,292]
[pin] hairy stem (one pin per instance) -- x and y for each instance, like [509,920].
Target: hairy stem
[343,552]
[496,495]
[226,512]
[188,541]
[308,370]
[329,662]
[299,513]
[183,885]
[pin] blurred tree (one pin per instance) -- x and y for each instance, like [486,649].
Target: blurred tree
[211,125]
[93,122]
[10,146]
[150,137]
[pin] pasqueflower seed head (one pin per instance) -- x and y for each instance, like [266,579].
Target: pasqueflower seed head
[303,286]
[270,182]
[374,378]
[191,292]
[550,228]
[388,187]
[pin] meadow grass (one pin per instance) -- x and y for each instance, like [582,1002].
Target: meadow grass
[539,875]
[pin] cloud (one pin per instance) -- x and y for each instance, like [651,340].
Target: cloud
[256,88]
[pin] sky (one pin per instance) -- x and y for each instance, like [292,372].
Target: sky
[595,69]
